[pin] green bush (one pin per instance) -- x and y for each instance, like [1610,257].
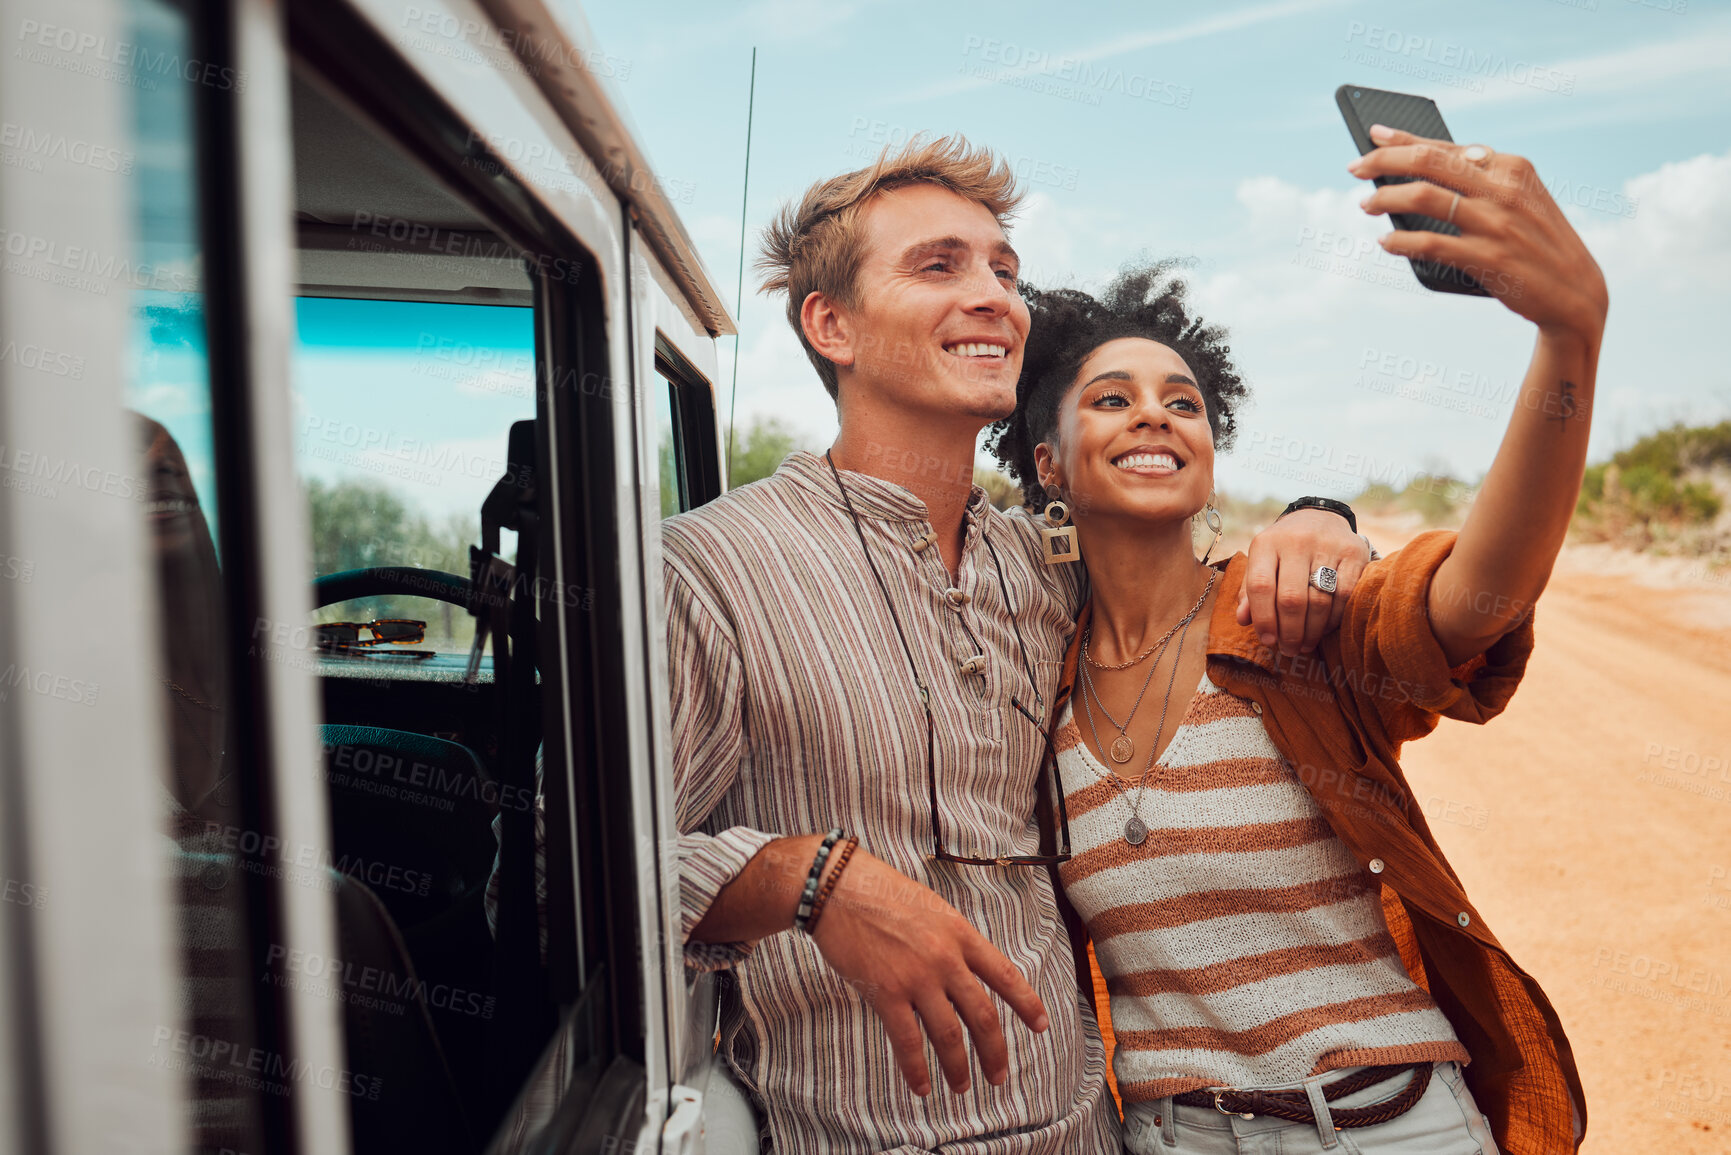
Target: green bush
[1436,497]
[1655,489]
[1671,451]
[1376,497]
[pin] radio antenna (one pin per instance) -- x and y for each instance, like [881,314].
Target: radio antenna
[739,291]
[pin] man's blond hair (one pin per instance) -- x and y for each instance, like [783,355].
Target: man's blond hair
[817,245]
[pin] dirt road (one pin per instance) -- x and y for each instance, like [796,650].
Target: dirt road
[1591,824]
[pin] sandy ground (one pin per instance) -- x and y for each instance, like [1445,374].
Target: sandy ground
[1591,824]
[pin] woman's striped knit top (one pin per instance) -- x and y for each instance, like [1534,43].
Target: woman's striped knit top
[1242,943]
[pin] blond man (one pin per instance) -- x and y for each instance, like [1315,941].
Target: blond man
[862,643]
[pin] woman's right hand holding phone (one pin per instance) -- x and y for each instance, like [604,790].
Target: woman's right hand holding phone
[1516,243]
[1514,239]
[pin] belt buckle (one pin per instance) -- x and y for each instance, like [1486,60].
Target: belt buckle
[1223,1110]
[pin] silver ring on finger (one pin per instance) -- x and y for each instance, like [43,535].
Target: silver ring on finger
[1326,579]
[1453,205]
[1479,154]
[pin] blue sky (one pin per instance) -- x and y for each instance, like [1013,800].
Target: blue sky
[1209,133]
[420,397]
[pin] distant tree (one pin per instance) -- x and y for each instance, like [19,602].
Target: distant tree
[1002,492]
[758,449]
[365,524]
[356,525]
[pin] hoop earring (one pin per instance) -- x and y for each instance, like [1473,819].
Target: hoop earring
[1211,518]
[1060,537]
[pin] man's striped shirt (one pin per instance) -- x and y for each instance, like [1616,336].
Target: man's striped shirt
[795,710]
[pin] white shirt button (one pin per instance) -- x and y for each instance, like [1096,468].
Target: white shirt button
[921,545]
[957,598]
[1463,918]
[1376,865]
[975,665]
[1256,708]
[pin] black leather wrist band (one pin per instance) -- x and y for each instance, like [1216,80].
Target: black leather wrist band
[802,916]
[1324,503]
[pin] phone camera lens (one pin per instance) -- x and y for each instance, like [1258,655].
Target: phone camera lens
[1356,95]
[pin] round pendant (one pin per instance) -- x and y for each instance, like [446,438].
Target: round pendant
[1123,749]
[1135,833]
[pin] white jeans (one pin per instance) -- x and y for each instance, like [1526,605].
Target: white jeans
[1445,1121]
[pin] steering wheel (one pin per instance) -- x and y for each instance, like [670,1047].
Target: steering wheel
[330,588]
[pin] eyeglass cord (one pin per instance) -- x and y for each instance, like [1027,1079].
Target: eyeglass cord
[907,650]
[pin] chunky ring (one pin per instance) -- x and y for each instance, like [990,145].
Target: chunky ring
[1325,579]
[1453,205]
[1479,154]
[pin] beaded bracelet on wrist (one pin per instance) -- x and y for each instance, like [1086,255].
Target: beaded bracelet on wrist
[803,915]
[817,906]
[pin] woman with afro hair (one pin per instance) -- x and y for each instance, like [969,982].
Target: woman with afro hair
[1292,964]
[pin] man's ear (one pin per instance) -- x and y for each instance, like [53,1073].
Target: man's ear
[828,328]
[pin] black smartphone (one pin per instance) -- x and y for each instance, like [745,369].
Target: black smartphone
[1363,107]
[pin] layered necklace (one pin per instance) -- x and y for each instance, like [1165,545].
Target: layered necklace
[1123,748]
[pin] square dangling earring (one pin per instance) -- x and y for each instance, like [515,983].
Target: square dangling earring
[1060,537]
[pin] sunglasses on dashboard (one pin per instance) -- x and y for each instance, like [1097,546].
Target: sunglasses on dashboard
[341,635]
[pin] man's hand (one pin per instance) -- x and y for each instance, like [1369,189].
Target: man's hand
[1287,611]
[909,954]
[922,966]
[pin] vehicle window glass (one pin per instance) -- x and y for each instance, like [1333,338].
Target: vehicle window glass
[169,393]
[402,415]
[685,413]
[667,447]
[413,369]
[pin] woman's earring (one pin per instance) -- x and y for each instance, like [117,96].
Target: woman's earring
[1211,517]
[1060,537]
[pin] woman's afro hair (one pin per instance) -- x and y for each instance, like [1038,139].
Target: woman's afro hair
[1068,325]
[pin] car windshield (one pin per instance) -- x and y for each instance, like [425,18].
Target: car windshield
[402,411]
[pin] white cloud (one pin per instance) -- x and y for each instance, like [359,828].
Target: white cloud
[1208,26]
[1045,233]
[1625,70]
[1315,308]
[767,22]
[164,400]
[777,381]
[1680,233]
[515,382]
[1276,205]
[1314,254]
[435,477]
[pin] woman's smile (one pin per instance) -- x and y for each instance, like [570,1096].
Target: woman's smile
[1149,461]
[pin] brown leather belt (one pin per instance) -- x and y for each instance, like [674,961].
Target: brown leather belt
[1294,1106]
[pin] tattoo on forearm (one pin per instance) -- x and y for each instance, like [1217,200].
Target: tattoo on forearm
[1566,405]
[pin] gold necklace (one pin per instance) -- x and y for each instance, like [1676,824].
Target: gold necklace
[1123,747]
[1133,661]
[1135,830]
[1163,640]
